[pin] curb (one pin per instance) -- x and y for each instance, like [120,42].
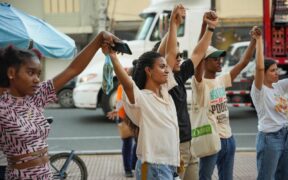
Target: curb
[118,151]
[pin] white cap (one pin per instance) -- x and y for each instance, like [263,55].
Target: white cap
[212,52]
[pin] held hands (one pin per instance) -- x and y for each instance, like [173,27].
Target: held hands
[211,19]
[107,41]
[178,14]
[108,38]
[255,33]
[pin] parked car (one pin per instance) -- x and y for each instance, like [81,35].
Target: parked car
[65,95]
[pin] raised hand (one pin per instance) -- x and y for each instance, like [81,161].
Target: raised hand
[255,33]
[108,38]
[107,41]
[211,19]
[178,14]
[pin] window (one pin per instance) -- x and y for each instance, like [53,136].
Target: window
[61,6]
[155,36]
[237,55]
[145,26]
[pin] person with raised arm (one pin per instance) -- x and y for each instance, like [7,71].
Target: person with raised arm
[149,105]
[23,127]
[269,96]
[183,71]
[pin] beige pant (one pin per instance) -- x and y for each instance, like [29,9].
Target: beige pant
[190,162]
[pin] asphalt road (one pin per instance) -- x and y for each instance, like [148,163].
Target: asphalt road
[88,131]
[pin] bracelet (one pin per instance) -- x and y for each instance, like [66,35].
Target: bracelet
[210,29]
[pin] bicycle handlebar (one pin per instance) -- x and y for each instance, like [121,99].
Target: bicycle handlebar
[49,119]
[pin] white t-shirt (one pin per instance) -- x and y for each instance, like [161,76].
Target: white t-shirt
[217,101]
[158,140]
[265,101]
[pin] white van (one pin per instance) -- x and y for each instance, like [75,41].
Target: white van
[88,92]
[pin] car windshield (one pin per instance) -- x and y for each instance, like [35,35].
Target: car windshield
[145,26]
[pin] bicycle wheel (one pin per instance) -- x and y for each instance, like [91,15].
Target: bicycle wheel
[76,169]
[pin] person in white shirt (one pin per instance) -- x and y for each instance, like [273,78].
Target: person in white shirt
[269,96]
[183,71]
[149,105]
[218,110]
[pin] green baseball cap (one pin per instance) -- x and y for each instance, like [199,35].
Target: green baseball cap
[214,53]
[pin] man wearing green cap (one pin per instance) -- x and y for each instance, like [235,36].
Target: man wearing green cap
[213,89]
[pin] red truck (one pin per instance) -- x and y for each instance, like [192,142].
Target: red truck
[275,35]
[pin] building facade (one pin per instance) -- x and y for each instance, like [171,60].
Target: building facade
[83,19]
[237,17]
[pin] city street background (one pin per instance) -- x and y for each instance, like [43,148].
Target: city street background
[96,139]
[88,131]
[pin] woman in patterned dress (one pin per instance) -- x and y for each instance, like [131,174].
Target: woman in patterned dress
[23,127]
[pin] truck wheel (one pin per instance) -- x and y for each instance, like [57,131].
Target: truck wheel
[108,101]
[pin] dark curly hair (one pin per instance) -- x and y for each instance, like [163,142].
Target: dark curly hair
[12,57]
[145,60]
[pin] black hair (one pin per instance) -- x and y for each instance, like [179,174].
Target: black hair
[12,57]
[145,60]
[268,63]
[156,46]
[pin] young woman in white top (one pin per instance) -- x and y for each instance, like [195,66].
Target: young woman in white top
[268,95]
[149,105]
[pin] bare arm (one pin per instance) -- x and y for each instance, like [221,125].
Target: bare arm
[162,47]
[203,30]
[259,76]
[211,19]
[123,78]
[82,59]
[199,71]
[121,74]
[171,46]
[200,67]
[244,59]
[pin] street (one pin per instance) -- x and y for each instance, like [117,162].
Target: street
[88,131]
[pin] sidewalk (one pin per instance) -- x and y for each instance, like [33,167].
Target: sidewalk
[109,167]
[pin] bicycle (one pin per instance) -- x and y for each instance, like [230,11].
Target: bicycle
[67,166]
[63,165]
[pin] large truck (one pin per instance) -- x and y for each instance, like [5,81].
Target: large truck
[275,35]
[88,92]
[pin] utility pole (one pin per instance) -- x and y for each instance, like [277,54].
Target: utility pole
[101,10]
